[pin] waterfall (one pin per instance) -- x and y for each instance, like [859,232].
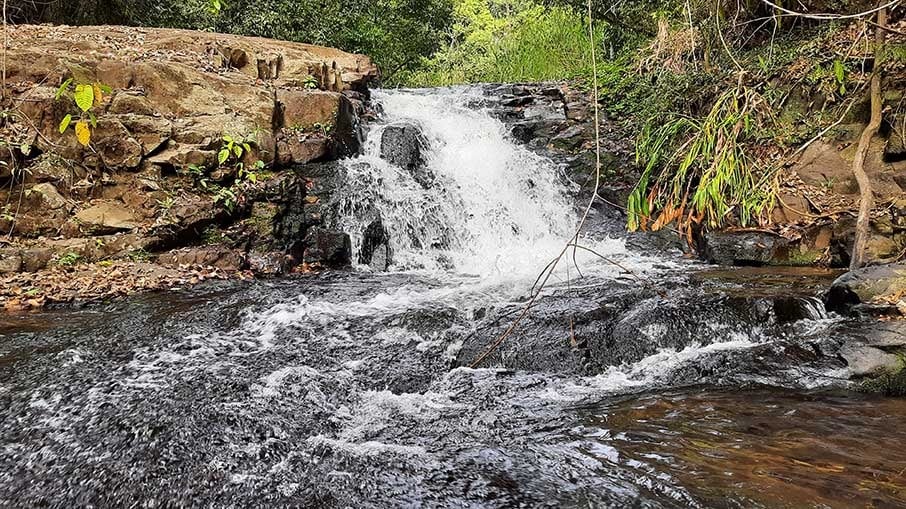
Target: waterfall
[480,203]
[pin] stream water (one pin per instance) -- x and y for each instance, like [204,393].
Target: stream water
[648,382]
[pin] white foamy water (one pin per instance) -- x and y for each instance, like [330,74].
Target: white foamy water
[495,209]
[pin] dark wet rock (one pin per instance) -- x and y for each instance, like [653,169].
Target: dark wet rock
[375,247]
[518,100]
[529,130]
[404,145]
[571,139]
[866,285]
[327,248]
[744,248]
[663,240]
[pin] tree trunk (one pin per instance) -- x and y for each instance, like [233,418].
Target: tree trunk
[866,198]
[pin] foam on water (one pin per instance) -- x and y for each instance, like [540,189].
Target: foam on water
[496,209]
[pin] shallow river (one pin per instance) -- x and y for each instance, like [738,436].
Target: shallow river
[651,383]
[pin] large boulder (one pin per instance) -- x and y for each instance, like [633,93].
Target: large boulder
[326,248]
[404,145]
[744,248]
[106,217]
[868,285]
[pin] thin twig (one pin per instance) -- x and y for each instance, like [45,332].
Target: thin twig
[829,16]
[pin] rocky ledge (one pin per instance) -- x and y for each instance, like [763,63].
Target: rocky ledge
[204,153]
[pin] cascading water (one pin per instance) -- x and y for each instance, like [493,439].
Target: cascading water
[349,389]
[490,207]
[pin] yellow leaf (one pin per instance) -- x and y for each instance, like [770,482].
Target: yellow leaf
[98,94]
[83,133]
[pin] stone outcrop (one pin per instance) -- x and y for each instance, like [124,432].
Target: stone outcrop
[153,172]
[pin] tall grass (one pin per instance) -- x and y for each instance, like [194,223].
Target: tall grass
[540,44]
[707,171]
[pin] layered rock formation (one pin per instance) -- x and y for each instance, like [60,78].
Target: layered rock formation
[154,176]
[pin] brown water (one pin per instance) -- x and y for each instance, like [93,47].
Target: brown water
[767,448]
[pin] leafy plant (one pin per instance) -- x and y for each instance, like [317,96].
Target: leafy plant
[87,97]
[68,259]
[139,255]
[231,148]
[5,214]
[707,169]
[212,235]
[167,203]
[310,83]
[226,197]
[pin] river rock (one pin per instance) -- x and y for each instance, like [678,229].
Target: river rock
[375,250]
[744,248]
[864,360]
[327,248]
[867,285]
[403,145]
[50,196]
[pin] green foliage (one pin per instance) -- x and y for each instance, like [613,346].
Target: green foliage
[310,83]
[139,255]
[68,259]
[507,41]
[708,170]
[226,197]
[87,97]
[212,235]
[395,33]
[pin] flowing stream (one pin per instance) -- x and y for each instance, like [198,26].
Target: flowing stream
[636,381]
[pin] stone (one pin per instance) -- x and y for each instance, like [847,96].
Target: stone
[327,248]
[149,131]
[297,150]
[50,197]
[375,250]
[867,285]
[882,248]
[822,165]
[107,217]
[744,248]
[271,263]
[36,258]
[10,261]
[307,110]
[863,360]
[571,138]
[403,145]
[221,257]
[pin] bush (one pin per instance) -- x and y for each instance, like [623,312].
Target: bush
[508,41]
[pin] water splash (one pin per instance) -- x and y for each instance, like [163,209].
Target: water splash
[495,208]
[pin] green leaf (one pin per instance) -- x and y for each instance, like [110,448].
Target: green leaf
[247,147]
[839,71]
[223,156]
[64,125]
[237,150]
[94,120]
[105,88]
[25,148]
[227,138]
[84,97]
[62,89]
